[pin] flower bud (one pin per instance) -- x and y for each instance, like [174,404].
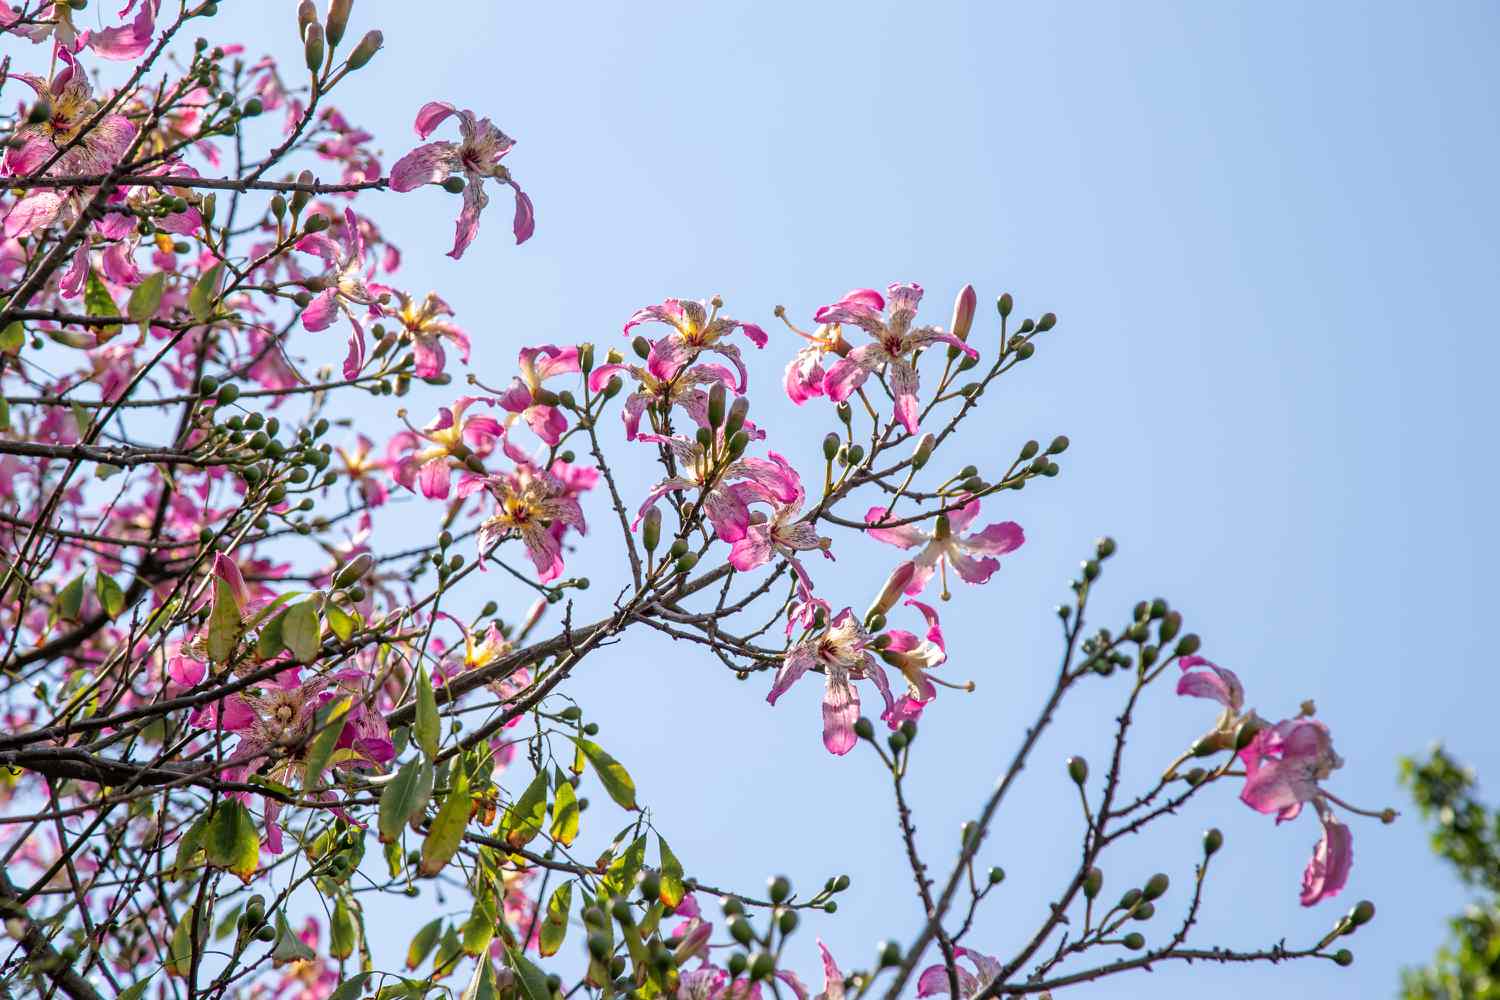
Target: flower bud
[1047,322]
[1004,304]
[704,437]
[1156,885]
[1343,957]
[613,386]
[1078,770]
[1134,941]
[738,443]
[779,888]
[1093,881]
[1362,913]
[354,571]
[830,446]
[598,946]
[651,530]
[313,48]
[1245,733]
[1187,645]
[641,346]
[1212,841]
[316,223]
[307,14]
[762,965]
[1059,445]
[924,450]
[855,454]
[963,312]
[1104,548]
[896,741]
[252,107]
[366,49]
[1131,897]
[738,963]
[337,21]
[996,875]
[1029,450]
[716,404]
[1144,911]
[740,930]
[1171,624]
[737,412]
[864,728]
[686,562]
[586,358]
[895,586]
[890,954]
[787,922]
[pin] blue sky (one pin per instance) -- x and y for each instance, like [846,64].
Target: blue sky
[1268,232]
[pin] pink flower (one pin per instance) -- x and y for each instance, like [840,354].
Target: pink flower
[524,398]
[428,329]
[1203,679]
[842,651]
[895,338]
[696,327]
[361,468]
[1283,766]
[934,978]
[477,157]
[914,657]
[783,534]
[804,373]
[342,285]
[531,503]
[127,41]
[72,101]
[725,488]
[833,978]
[972,556]
[452,439]
[663,388]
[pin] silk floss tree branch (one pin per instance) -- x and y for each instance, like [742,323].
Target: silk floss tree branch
[239,706]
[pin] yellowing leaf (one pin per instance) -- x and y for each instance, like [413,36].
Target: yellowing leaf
[565,814]
[231,840]
[672,885]
[97,302]
[555,927]
[422,943]
[524,819]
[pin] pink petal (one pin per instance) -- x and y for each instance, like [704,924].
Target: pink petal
[320,312]
[431,115]
[1328,869]
[903,536]
[840,712]
[429,164]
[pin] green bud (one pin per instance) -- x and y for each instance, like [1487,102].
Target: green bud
[1171,624]
[924,450]
[1343,957]
[1131,897]
[897,741]
[1362,913]
[1078,770]
[738,410]
[716,402]
[679,546]
[250,109]
[686,561]
[598,946]
[762,965]
[453,185]
[997,875]
[830,907]
[313,48]
[1104,548]
[621,911]
[738,963]
[731,906]
[1047,322]
[651,529]
[830,446]
[738,443]
[227,393]
[1059,445]
[1156,885]
[1245,733]
[366,49]
[1026,350]
[316,223]
[1093,881]
[779,888]
[787,921]
[1212,841]
[1187,645]
[1004,305]
[266,933]
[740,930]
[864,728]
[641,346]
[208,385]
[1144,911]
[1134,941]
[354,570]
[890,954]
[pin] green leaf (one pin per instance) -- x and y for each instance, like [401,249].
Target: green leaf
[555,927]
[97,302]
[301,631]
[70,599]
[4,414]
[180,952]
[422,943]
[189,847]
[111,594]
[447,829]
[351,988]
[12,337]
[224,625]
[479,930]
[481,983]
[231,840]
[533,981]
[673,887]
[135,990]
[270,642]
[146,299]
[81,419]
[204,293]
[622,872]
[342,931]
[328,724]
[426,728]
[289,947]
[340,622]
[525,817]
[405,795]
[565,814]
[612,774]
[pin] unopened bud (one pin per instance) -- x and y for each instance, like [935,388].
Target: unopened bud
[337,21]
[1004,304]
[924,450]
[1362,913]
[1156,885]
[651,530]
[864,728]
[354,571]
[307,15]
[830,446]
[1134,941]
[890,954]
[1343,958]
[963,312]
[1212,841]
[366,49]
[641,346]
[1187,645]
[997,875]
[1029,450]
[779,888]
[1093,881]
[686,562]
[1078,770]
[586,358]
[1059,445]
[716,398]
[738,443]
[738,410]
[313,47]
[1047,322]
